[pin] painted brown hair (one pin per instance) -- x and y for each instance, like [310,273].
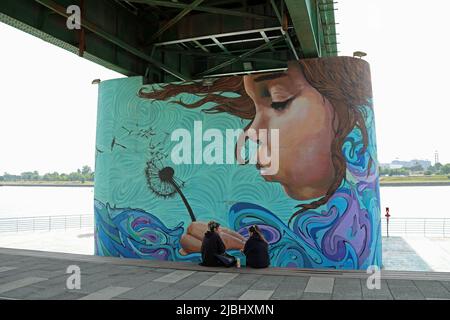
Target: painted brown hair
[344,81]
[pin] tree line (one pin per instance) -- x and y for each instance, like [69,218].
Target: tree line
[86,173]
[437,169]
[81,175]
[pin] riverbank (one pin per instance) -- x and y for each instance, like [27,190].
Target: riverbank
[384,182]
[416,181]
[415,184]
[88,184]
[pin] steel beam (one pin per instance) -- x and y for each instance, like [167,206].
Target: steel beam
[219,56]
[245,72]
[286,34]
[118,42]
[221,46]
[213,10]
[277,47]
[200,45]
[242,56]
[325,26]
[222,2]
[128,6]
[178,17]
[219,35]
[301,12]
[241,41]
[266,39]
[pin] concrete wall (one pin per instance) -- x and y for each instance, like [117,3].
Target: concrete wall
[165,166]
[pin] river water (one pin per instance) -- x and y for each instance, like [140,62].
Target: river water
[403,202]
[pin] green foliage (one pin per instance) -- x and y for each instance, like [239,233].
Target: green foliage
[81,175]
[416,168]
[446,169]
[440,169]
[394,172]
[437,169]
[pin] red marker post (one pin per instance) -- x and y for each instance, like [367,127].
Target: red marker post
[387,215]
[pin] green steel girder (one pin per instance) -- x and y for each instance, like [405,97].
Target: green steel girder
[115,40]
[279,59]
[303,15]
[37,20]
[327,27]
[213,10]
[179,16]
[195,38]
[242,56]
[286,34]
[314,23]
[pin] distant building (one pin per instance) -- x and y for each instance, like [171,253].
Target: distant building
[397,164]
[385,165]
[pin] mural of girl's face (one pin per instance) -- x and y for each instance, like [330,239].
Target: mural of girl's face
[304,118]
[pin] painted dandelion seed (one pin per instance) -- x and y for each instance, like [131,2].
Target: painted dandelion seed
[320,212]
[161,181]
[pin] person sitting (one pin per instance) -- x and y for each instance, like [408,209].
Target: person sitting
[213,248]
[256,249]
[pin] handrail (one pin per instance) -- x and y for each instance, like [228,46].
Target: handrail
[433,227]
[430,227]
[419,218]
[46,223]
[60,215]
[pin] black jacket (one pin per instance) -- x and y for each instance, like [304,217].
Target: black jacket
[212,244]
[256,251]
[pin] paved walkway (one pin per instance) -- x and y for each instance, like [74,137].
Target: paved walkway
[26,274]
[411,253]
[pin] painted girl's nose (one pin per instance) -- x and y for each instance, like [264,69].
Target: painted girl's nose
[258,135]
[257,125]
[263,159]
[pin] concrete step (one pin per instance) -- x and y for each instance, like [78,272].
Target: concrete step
[358,274]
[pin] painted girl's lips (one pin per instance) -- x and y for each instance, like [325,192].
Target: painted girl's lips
[263,169]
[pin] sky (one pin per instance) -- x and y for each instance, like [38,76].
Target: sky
[407,47]
[48,105]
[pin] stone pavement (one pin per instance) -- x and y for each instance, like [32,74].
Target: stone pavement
[26,274]
[409,253]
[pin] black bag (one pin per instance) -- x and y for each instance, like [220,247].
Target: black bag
[226,259]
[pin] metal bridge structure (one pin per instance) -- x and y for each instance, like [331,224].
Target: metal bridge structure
[182,40]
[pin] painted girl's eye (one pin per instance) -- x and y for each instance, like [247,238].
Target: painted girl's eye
[280,105]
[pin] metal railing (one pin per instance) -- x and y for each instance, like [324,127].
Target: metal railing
[428,227]
[46,223]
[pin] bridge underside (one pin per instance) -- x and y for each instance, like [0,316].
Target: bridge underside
[181,40]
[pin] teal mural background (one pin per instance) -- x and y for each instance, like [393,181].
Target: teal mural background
[132,221]
[120,178]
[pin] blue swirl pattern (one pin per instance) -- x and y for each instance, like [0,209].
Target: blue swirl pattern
[133,222]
